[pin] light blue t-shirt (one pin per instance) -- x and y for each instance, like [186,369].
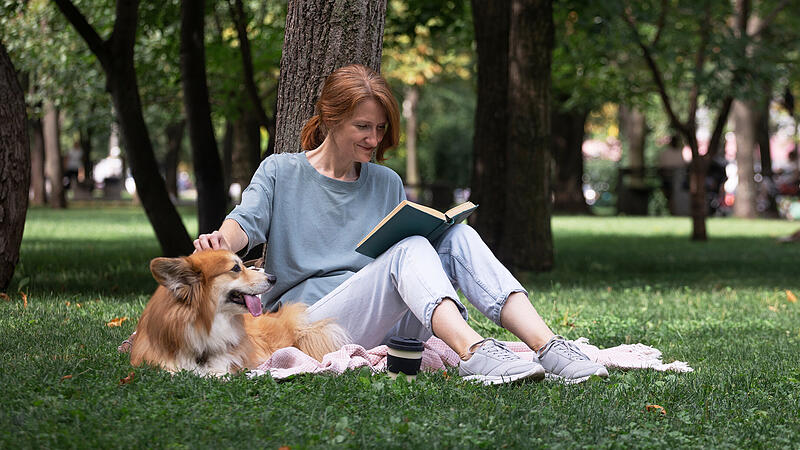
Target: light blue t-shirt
[312,223]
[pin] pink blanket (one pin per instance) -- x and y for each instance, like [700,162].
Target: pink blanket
[437,356]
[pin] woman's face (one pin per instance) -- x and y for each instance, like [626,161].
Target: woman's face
[357,136]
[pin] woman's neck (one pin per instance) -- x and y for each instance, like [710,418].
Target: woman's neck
[326,161]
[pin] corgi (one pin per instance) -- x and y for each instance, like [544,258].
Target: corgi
[206,317]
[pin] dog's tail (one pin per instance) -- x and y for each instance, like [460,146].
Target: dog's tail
[320,338]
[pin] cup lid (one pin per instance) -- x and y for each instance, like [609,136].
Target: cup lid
[406,343]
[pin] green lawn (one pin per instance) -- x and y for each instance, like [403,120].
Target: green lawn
[721,305]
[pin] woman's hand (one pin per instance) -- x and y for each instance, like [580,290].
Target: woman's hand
[215,240]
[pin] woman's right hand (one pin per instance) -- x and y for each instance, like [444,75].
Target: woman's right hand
[215,240]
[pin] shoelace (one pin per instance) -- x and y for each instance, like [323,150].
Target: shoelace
[498,350]
[567,349]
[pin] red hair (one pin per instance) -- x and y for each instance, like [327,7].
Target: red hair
[343,90]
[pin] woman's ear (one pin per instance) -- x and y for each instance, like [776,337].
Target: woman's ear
[175,274]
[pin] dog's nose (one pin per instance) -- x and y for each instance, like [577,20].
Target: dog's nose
[271,278]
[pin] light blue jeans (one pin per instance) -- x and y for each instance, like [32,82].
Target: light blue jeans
[396,293]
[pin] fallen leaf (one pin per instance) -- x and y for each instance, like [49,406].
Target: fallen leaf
[772,308]
[656,408]
[5,296]
[284,447]
[117,321]
[790,296]
[66,377]
[24,299]
[126,380]
[68,303]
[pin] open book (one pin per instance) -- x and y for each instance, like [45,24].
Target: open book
[410,219]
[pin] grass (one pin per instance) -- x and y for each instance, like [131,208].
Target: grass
[721,305]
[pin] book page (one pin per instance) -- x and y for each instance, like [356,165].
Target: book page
[456,210]
[426,209]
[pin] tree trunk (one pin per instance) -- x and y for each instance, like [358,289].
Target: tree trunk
[116,57]
[246,148]
[319,38]
[174,132]
[239,18]
[227,153]
[568,134]
[633,127]
[87,183]
[632,191]
[745,116]
[768,188]
[491,21]
[53,164]
[212,199]
[15,168]
[698,207]
[37,163]
[528,241]
[410,114]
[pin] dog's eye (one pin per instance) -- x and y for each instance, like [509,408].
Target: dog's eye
[236,268]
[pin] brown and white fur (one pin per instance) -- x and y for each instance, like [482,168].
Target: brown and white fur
[206,317]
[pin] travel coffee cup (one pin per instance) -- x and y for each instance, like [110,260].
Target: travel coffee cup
[405,356]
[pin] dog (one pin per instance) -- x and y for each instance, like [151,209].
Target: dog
[206,317]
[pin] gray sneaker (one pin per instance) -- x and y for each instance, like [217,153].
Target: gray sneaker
[564,361]
[493,363]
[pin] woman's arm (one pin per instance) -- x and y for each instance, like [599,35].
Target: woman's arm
[230,236]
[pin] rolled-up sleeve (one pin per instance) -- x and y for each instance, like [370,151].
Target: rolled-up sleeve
[254,213]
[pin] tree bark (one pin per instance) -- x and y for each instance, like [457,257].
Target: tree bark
[37,163]
[491,20]
[86,159]
[528,242]
[116,57]
[632,192]
[212,201]
[568,128]
[174,132]
[745,117]
[410,114]
[633,127]
[768,189]
[236,8]
[319,38]
[53,164]
[246,147]
[15,170]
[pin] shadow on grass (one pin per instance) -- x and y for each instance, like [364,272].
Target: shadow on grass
[120,267]
[109,268]
[669,262]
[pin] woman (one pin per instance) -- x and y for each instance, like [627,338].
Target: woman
[313,207]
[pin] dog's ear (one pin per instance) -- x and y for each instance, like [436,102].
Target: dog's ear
[177,275]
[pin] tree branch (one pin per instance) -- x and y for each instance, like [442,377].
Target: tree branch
[236,8]
[662,18]
[123,38]
[699,62]
[96,44]
[719,127]
[627,16]
[770,17]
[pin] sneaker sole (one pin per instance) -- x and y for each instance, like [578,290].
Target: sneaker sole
[532,375]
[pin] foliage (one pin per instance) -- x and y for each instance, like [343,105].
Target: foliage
[444,143]
[430,46]
[57,64]
[722,306]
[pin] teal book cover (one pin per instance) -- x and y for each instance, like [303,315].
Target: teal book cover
[411,219]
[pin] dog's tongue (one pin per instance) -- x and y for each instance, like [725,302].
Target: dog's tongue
[253,304]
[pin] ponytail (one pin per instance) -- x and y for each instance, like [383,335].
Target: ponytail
[313,133]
